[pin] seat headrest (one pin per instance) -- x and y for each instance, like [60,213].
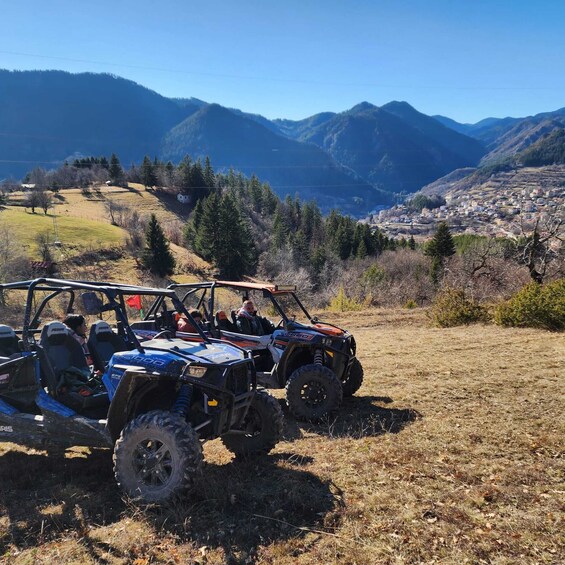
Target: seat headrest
[56,332]
[6,332]
[102,327]
[101,331]
[56,328]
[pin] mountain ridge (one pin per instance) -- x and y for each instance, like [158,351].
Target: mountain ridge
[366,152]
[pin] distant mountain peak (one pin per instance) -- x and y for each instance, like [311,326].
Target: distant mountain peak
[399,105]
[362,107]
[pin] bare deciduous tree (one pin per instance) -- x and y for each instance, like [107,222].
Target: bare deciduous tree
[45,200]
[542,250]
[32,200]
[43,240]
[114,210]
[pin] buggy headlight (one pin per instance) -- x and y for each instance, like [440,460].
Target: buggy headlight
[196,371]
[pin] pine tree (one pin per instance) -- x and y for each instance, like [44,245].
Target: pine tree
[197,181]
[281,229]
[237,254]
[148,177]
[222,236]
[255,193]
[439,248]
[441,245]
[207,240]
[184,177]
[361,251]
[412,243]
[157,256]
[169,174]
[300,250]
[209,176]
[116,172]
[269,199]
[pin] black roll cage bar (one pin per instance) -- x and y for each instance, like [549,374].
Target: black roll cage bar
[111,291]
[238,287]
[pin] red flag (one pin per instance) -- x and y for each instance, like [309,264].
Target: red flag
[134,301]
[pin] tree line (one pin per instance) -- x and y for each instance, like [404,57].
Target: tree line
[243,228]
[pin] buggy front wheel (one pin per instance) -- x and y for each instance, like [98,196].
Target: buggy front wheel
[261,429]
[354,379]
[312,392]
[157,457]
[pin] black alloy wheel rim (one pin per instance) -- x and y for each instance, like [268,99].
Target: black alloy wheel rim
[313,393]
[153,463]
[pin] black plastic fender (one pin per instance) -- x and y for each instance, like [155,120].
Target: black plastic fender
[131,397]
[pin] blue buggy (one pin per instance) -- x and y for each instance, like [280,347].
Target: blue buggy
[153,402]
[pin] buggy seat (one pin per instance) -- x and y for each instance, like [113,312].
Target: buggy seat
[9,344]
[224,324]
[62,349]
[63,353]
[103,343]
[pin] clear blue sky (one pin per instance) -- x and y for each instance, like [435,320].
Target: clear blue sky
[466,59]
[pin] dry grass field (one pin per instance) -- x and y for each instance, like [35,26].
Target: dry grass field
[90,205]
[80,222]
[451,452]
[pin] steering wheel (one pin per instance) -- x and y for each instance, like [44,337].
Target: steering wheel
[165,334]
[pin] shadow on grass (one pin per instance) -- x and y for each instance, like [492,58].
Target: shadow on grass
[234,507]
[357,417]
[132,189]
[246,503]
[172,204]
[44,496]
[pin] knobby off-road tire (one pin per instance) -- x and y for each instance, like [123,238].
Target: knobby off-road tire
[313,391]
[263,427]
[156,457]
[353,381]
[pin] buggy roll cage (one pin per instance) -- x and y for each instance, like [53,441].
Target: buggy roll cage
[114,293]
[269,290]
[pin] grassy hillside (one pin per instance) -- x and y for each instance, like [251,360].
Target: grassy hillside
[75,203]
[74,235]
[451,452]
[83,227]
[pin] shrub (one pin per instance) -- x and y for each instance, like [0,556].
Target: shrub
[373,275]
[342,303]
[410,304]
[535,306]
[452,308]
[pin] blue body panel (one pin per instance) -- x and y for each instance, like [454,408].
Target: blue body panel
[7,409]
[46,402]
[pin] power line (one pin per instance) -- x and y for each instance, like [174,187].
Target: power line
[279,79]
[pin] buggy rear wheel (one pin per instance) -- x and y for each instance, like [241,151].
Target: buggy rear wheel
[261,429]
[354,379]
[313,391]
[157,457]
